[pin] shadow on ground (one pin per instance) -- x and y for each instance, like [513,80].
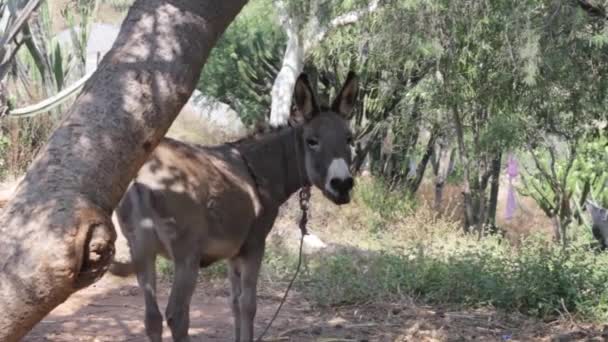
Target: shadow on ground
[112,310]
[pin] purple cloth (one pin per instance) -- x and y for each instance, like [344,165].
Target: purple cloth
[512,167]
[512,172]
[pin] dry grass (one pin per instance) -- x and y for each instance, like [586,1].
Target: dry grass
[331,222]
[7,188]
[389,250]
[106,13]
[528,218]
[196,131]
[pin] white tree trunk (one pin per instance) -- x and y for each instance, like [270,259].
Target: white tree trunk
[293,63]
[299,42]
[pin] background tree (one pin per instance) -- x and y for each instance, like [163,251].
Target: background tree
[306,23]
[563,104]
[245,61]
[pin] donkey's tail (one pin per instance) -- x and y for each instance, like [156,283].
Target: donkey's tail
[121,265]
[122,268]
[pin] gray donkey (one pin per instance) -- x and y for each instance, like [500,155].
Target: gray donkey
[196,205]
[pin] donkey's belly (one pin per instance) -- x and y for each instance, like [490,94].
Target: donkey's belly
[179,240]
[228,224]
[214,250]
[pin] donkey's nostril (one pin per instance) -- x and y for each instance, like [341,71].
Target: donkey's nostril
[335,183]
[342,185]
[349,183]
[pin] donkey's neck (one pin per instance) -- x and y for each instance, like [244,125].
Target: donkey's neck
[276,161]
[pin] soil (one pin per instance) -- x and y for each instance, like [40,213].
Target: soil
[112,310]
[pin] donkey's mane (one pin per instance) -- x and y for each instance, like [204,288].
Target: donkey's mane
[260,130]
[263,129]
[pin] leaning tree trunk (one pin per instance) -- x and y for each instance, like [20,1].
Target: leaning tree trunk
[57,236]
[494,188]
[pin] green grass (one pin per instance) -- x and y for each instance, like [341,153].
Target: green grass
[164,268]
[380,205]
[417,255]
[537,279]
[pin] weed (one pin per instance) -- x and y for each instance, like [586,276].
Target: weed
[417,254]
[164,268]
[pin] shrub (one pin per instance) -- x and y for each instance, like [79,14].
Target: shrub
[538,278]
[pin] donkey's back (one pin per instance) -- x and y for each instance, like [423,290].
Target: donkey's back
[189,198]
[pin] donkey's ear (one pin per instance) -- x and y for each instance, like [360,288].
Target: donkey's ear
[345,101]
[304,101]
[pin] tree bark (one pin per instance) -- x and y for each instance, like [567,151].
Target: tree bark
[469,210]
[414,183]
[293,63]
[494,187]
[57,235]
[442,166]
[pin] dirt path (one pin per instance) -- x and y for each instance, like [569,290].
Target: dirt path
[112,310]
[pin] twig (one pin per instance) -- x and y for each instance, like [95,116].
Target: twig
[51,102]
[112,306]
[571,318]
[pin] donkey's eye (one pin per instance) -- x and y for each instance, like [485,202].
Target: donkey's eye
[349,140]
[312,142]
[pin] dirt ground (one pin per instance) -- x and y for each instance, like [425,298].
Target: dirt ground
[112,310]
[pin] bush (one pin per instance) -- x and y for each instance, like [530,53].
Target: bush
[20,140]
[417,255]
[538,278]
[381,206]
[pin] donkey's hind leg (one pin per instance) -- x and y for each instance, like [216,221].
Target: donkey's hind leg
[178,308]
[234,274]
[144,257]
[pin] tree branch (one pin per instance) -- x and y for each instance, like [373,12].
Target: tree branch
[12,52]
[594,10]
[17,25]
[345,19]
[38,55]
[543,201]
[50,103]
[414,183]
[542,169]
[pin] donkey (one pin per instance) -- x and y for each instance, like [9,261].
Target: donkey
[196,205]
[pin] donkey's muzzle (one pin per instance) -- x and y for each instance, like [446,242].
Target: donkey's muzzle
[342,185]
[340,188]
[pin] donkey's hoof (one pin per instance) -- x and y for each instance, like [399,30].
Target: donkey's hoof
[155,338]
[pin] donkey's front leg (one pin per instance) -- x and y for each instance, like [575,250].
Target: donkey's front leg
[178,308]
[250,269]
[234,274]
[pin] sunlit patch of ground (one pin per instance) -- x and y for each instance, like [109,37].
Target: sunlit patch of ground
[112,310]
